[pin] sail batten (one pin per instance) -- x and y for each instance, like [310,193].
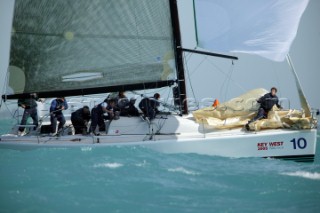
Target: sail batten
[118,37]
[123,42]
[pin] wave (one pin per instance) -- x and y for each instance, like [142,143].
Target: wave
[308,175]
[143,164]
[108,165]
[86,149]
[183,170]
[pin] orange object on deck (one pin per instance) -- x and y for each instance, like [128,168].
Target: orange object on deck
[215,103]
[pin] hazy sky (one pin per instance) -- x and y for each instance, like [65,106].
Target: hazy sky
[209,75]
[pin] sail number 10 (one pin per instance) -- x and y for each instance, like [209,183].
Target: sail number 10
[301,143]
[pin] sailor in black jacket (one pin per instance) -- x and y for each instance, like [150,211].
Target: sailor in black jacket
[266,103]
[97,118]
[269,100]
[30,110]
[149,106]
[80,119]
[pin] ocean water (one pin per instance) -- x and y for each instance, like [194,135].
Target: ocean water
[135,179]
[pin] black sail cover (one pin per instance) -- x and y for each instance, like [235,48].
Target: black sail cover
[75,47]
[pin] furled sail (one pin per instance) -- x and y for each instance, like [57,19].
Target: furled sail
[92,46]
[265,28]
[236,112]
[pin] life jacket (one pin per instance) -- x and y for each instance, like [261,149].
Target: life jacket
[268,101]
[144,104]
[98,108]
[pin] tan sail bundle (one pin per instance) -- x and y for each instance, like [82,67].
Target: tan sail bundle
[236,112]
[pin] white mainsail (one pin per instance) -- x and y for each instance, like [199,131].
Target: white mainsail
[264,28]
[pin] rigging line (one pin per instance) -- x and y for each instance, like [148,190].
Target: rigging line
[203,60]
[12,114]
[4,86]
[220,70]
[169,106]
[47,115]
[188,56]
[191,87]
[227,81]
[151,92]
[144,94]
[161,123]
[277,78]
[134,127]
[168,96]
[193,93]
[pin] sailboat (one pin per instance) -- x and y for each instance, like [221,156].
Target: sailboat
[80,48]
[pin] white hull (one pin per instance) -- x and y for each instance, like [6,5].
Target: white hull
[182,135]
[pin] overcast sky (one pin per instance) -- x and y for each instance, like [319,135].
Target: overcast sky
[208,75]
[249,72]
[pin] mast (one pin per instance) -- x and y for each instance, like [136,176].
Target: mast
[179,57]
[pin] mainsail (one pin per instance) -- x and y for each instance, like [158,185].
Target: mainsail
[265,28]
[83,47]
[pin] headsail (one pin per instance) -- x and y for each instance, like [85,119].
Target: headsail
[83,47]
[265,28]
[303,100]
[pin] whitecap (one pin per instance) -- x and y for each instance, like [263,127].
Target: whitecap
[183,170]
[308,175]
[143,164]
[86,149]
[108,165]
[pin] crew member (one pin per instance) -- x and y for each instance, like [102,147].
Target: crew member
[57,106]
[266,103]
[149,106]
[80,119]
[128,108]
[30,110]
[97,112]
